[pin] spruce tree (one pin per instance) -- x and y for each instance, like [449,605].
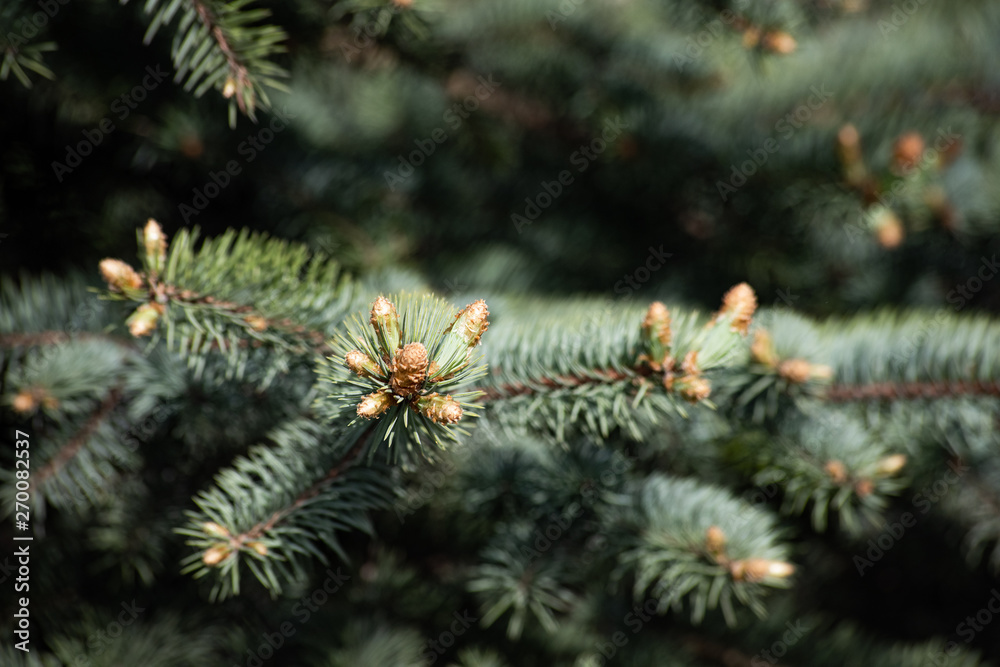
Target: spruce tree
[478,334]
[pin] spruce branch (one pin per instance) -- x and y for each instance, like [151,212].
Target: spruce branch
[274,508]
[232,294]
[216,45]
[688,539]
[72,447]
[569,368]
[403,368]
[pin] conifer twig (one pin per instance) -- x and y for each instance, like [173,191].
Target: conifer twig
[599,376]
[904,390]
[74,444]
[347,461]
[237,70]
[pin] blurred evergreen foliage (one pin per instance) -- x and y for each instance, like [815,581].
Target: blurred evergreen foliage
[570,162]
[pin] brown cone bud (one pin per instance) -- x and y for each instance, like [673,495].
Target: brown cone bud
[215,529]
[890,465]
[385,322]
[779,41]
[256,322]
[836,470]
[438,408]
[795,371]
[656,324]
[361,364]
[715,541]
[259,547]
[757,569]
[25,402]
[471,323]
[155,244]
[409,370]
[215,555]
[690,364]
[888,227]
[751,37]
[374,404]
[656,331]
[864,488]
[849,149]
[740,302]
[762,349]
[693,388]
[119,275]
[906,152]
[143,321]
[29,400]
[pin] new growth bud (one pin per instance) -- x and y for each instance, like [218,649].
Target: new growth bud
[375,404]
[154,242]
[890,465]
[740,302]
[143,321]
[120,276]
[656,331]
[361,364]
[440,409]
[215,555]
[762,350]
[385,322]
[757,569]
[409,370]
[471,323]
[715,542]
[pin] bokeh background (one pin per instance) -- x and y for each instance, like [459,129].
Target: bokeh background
[837,155]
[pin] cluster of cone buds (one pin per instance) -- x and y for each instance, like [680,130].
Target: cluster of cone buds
[29,400]
[746,569]
[223,550]
[123,279]
[796,371]
[910,155]
[686,378]
[410,371]
[886,467]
